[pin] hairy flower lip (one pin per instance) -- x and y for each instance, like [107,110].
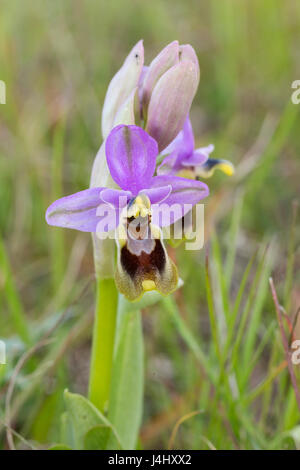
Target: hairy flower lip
[141,271]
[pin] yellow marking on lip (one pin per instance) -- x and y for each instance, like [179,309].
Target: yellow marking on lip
[148,285]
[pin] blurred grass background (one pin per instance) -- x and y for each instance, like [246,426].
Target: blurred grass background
[226,362]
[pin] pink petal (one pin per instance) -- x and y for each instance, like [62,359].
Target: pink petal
[131,157]
[171,101]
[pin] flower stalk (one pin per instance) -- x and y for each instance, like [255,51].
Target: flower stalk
[103,342]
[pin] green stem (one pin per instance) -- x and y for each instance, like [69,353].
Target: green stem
[103,342]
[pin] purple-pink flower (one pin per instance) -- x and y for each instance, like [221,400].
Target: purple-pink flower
[144,203]
[131,158]
[181,157]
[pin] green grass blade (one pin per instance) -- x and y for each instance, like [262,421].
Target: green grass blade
[187,336]
[257,310]
[19,321]
[233,235]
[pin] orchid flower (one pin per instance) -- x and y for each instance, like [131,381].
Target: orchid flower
[136,211]
[182,158]
[157,97]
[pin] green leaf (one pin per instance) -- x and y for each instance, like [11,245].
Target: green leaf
[59,447]
[127,386]
[83,416]
[99,438]
[96,438]
[66,430]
